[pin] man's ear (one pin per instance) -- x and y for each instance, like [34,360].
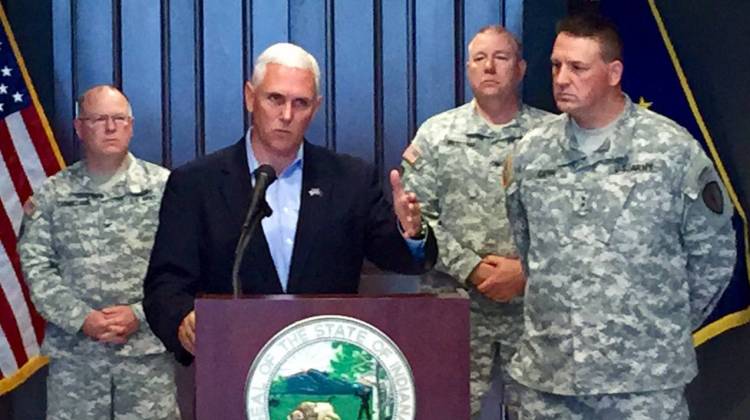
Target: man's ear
[249,96]
[521,70]
[77,126]
[318,103]
[615,69]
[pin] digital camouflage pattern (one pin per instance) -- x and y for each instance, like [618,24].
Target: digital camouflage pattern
[454,165]
[81,387]
[654,405]
[623,254]
[83,248]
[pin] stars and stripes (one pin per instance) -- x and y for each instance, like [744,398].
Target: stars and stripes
[28,155]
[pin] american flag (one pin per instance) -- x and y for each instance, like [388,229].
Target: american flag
[28,155]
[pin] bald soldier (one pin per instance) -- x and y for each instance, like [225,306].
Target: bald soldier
[84,246]
[454,165]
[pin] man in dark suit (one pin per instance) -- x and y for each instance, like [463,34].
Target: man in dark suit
[329,212]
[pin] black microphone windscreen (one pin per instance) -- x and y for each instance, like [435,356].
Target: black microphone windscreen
[266,171]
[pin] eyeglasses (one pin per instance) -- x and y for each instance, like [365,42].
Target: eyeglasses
[99,120]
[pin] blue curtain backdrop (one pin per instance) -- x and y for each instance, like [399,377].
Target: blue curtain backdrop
[387,65]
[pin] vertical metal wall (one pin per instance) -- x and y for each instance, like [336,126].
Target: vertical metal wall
[387,65]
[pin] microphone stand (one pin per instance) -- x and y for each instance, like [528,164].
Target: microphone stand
[258,210]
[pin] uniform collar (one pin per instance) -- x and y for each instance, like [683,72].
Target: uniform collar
[478,127]
[616,146]
[134,181]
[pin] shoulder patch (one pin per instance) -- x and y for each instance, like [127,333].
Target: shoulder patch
[412,154]
[712,197]
[29,207]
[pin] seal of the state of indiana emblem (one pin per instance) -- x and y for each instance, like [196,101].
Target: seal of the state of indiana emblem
[330,367]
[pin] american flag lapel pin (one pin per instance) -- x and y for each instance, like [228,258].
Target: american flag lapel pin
[315,192]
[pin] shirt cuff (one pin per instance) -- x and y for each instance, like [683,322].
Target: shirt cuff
[416,246]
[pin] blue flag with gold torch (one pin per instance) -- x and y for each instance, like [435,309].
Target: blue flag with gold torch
[654,78]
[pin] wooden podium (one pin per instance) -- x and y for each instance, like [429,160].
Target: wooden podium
[431,332]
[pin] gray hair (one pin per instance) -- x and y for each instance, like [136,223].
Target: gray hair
[288,55]
[82,99]
[500,30]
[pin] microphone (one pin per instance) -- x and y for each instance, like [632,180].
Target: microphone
[265,175]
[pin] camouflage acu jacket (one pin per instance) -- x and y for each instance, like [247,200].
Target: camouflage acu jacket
[627,250]
[84,249]
[454,165]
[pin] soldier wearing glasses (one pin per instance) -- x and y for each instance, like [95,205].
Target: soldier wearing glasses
[85,245]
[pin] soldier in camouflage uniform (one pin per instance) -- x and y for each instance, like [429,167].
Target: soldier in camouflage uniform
[84,246]
[624,230]
[454,165]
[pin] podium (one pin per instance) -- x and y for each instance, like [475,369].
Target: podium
[397,356]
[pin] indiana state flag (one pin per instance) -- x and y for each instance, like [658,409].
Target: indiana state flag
[654,78]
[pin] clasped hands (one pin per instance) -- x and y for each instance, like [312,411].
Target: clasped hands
[113,324]
[499,278]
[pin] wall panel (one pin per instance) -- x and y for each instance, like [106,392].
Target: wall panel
[141,74]
[92,43]
[354,78]
[63,62]
[223,73]
[395,64]
[435,57]
[307,28]
[386,66]
[181,82]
